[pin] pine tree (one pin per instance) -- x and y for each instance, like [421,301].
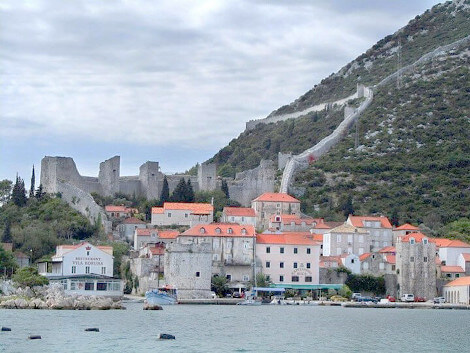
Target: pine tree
[33,180]
[394,218]
[225,189]
[180,192]
[39,192]
[165,194]
[189,192]
[18,194]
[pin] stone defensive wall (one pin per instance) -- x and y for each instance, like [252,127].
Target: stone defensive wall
[250,125]
[301,161]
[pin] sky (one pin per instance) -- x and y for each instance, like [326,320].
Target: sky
[167,81]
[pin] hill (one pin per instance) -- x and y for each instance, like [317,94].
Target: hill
[413,158]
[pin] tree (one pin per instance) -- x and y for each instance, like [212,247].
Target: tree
[219,285]
[6,237]
[18,194]
[165,194]
[29,277]
[189,192]
[347,206]
[7,262]
[180,192]
[33,180]
[225,188]
[5,191]
[39,192]
[261,281]
[394,218]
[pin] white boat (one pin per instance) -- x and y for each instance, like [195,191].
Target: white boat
[161,296]
[250,301]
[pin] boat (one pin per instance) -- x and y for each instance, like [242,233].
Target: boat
[250,301]
[161,296]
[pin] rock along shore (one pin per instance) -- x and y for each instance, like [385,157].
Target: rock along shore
[54,297]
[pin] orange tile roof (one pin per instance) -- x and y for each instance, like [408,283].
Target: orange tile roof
[288,238]
[466,257]
[322,226]
[357,221]
[168,234]
[391,259]
[195,208]
[407,226]
[239,211]
[449,243]
[157,250]
[157,210]
[133,220]
[452,269]
[113,208]
[107,249]
[462,281]
[225,230]
[145,232]
[418,237]
[364,256]
[388,249]
[276,197]
[318,237]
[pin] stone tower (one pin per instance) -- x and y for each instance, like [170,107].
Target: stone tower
[149,175]
[207,176]
[109,174]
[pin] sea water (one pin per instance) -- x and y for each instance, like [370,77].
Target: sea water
[219,328]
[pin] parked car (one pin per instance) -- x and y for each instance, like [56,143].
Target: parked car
[367,299]
[407,298]
[213,295]
[391,299]
[236,295]
[439,300]
[420,299]
[338,298]
[355,296]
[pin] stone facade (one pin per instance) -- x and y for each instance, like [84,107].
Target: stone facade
[346,239]
[188,267]
[271,204]
[415,264]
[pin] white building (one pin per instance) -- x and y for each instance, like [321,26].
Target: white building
[351,262]
[449,250]
[83,269]
[380,230]
[346,239]
[458,291]
[240,215]
[289,258]
[182,214]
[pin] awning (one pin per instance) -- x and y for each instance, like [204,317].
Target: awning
[268,289]
[308,286]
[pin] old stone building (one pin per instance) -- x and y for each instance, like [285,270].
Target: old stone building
[294,223]
[182,214]
[270,204]
[415,265]
[379,263]
[346,239]
[380,230]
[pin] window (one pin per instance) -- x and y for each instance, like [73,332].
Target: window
[229,277]
[338,238]
[308,278]
[295,250]
[185,215]
[87,269]
[308,250]
[243,231]
[215,257]
[412,259]
[74,269]
[87,253]
[295,264]
[268,250]
[101,286]
[103,270]
[278,205]
[169,214]
[202,230]
[352,261]
[295,278]
[425,241]
[230,231]
[412,241]
[281,264]
[198,274]
[268,278]
[89,286]
[268,264]
[281,278]
[282,250]
[217,230]
[425,259]
[308,264]
[457,275]
[393,267]
[246,278]
[381,266]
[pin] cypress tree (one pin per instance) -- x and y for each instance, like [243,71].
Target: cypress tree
[225,188]
[33,180]
[18,194]
[39,192]
[165,194]
[6,237]
[179,194]
[189,192]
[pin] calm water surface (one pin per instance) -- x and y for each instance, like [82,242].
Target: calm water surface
[212,328]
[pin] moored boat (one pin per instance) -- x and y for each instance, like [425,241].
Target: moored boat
[161,296]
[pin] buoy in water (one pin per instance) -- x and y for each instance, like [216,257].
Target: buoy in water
[34,337]
[6,329]
[166,336]
[92,329]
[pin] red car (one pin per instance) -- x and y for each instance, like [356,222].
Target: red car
[391,299]
[420,299]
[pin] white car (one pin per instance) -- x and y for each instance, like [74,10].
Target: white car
[407,298]
[439,300]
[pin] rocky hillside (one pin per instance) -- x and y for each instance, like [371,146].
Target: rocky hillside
[413,158]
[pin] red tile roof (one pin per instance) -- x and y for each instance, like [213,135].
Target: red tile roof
[318,237]
[407,226]
[276,197]
[462,281]
[388,249]
[452,269]
[145,232]
[391,259]
[168,234]
[157,250]
[107,249]
[449,243]
[194,208]
[358,221]
[123,209]
[418,237]
[364,256]
[322,226]
[239,211]
[466,257]
[221,230]
[288,238]
[133,220]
